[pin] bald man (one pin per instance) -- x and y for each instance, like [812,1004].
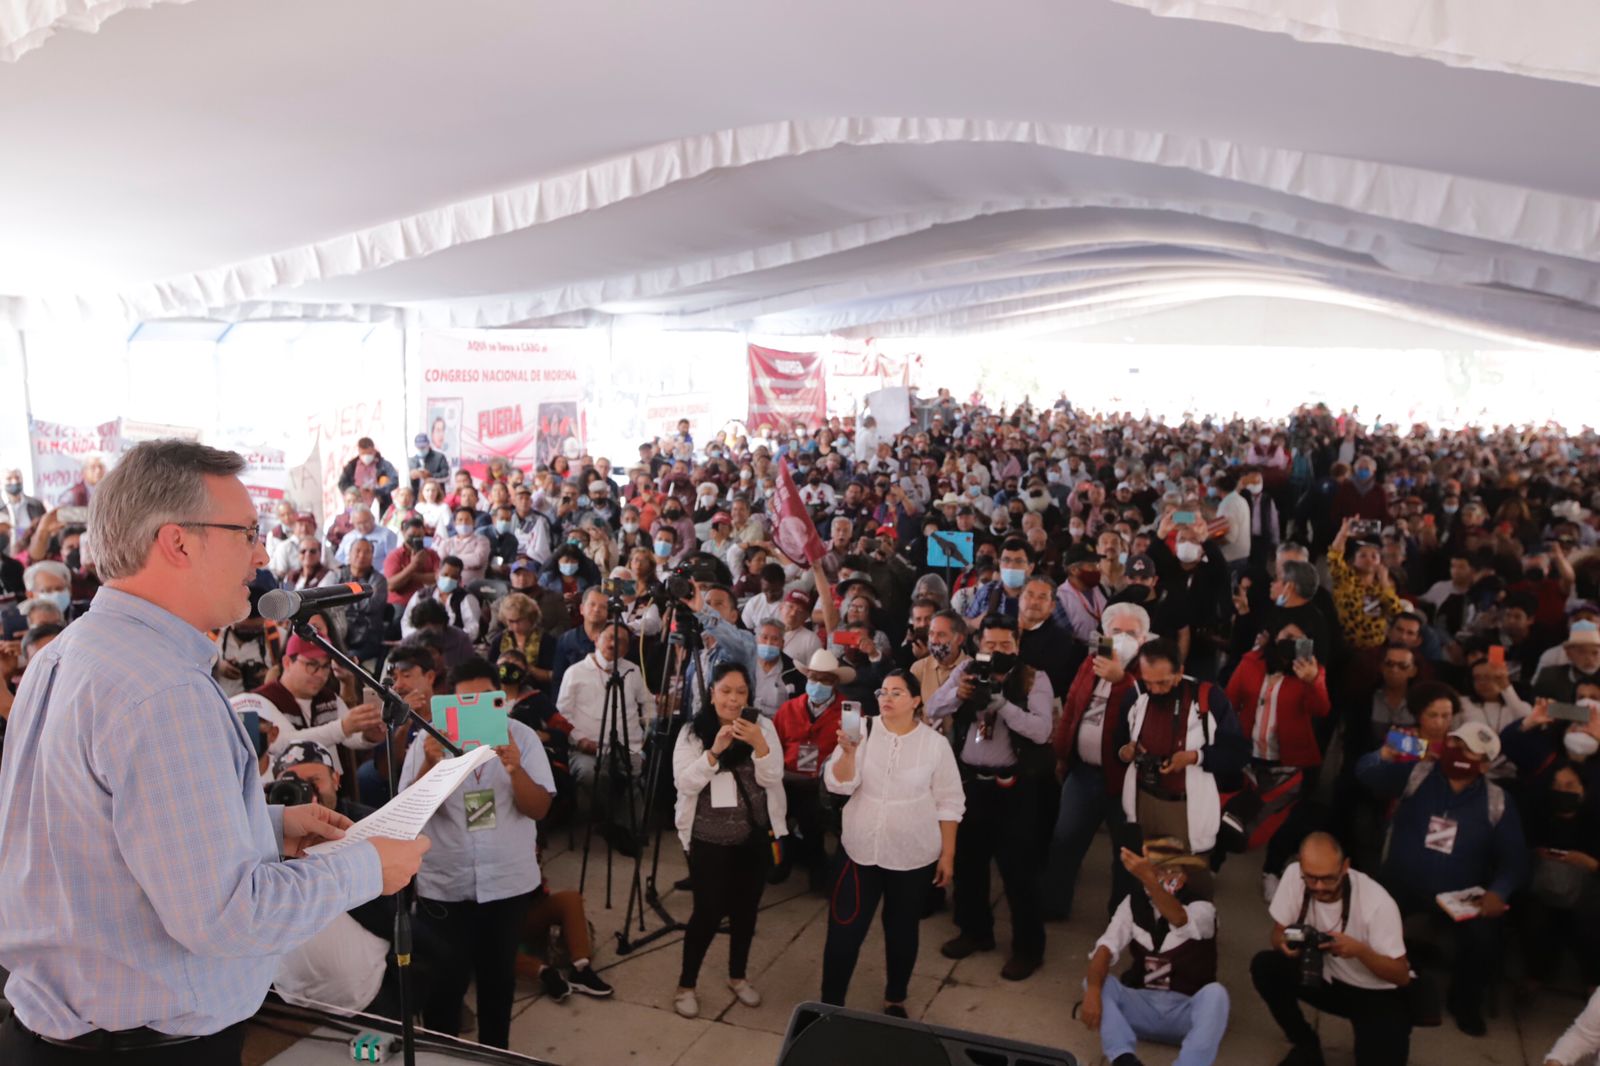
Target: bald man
[1364,965]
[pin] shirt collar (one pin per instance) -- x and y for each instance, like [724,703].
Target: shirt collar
[194,645]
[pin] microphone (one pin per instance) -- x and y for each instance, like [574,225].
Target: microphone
[281,605]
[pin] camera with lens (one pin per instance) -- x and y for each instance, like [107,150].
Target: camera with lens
[1310,942]
[618,591]
[981,673]
[291,791]
[1147,766]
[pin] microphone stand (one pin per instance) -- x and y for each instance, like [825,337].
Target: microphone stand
[396,713]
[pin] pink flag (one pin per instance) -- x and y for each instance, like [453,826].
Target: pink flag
[792,529]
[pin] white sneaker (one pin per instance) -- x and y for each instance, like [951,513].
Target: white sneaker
[1269,887]
[746,993]
[686,1003]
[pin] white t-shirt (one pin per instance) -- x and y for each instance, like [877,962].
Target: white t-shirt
[800,645]
[1091,729]
[340,969]
[1374,918]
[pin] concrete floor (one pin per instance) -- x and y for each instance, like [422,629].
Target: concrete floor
[640,1025]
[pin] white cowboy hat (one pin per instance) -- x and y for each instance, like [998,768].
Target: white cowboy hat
[824,661]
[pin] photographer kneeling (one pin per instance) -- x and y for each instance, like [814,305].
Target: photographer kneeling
[1000,724]
[1339,946]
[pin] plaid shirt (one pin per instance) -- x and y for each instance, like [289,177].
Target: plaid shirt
[139,862]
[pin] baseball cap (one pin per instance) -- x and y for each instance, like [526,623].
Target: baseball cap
[799,596]
[1479,738]
[298,646]
[302,752]
[1141,566]
[721,516]
[524,564]
[420,440]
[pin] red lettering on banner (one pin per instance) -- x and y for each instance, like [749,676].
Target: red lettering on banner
[500,422]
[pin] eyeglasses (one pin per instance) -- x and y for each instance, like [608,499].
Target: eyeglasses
[883,693]
[1327,879]
[314,665]
[252,534]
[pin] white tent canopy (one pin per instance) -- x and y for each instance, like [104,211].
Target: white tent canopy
[866,170]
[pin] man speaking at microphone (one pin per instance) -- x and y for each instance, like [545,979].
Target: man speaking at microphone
[146,902]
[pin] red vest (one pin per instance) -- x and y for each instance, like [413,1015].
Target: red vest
[1077,702]
[795,727]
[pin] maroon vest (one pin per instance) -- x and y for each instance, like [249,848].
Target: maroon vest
[324,705]
[1187,968]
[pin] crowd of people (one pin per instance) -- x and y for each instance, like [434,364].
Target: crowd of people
[1371,652]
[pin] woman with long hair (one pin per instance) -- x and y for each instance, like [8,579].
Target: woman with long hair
[904,801]
[728,767]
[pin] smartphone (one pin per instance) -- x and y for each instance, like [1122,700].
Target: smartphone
[252,729]
[1105,649]
[1569,712]
[1427,519]
[73,516]
[750,714]
[1409,746]
[1497,655]
[847,638]
[1183,518]
[1305,648]
[850,719]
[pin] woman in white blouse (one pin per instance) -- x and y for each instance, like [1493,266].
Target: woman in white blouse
[905,801]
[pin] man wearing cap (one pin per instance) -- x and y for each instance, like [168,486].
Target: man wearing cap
[1561,683]
[1578,611]
[532,526]
[1453,829]
[305,708]
[314,764]
[1167,610]
[1080,595]
[427,464]
[1364,966]
[1169,993]
[721,542]
[808,727]
[800,643]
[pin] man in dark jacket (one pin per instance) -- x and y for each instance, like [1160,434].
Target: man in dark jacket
[370,472]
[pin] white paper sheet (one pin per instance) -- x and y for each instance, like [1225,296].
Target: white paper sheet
[403,817]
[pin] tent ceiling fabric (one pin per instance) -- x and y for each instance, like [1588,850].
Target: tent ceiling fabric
[827,168]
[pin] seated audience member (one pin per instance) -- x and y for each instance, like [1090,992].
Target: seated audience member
[463,608]
[550,911]
[430,625]
[309,571]
[1583,665]
[364,526]
[1354,927]
[47,584]
[304,707]
[475,895]
[517,628]
[409,567]
[1169,993]
[1453,829]
[362,624]
[800,643]
[582,701]
[467,543]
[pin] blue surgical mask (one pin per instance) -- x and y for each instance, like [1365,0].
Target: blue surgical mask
[1281,601]
[1012,577]
[1363,474]
[62,599]
[974,490]
[663,548]
[768,652]
[1451,508]
[447,585]
[567,568]
[464,529]
[502,526]
[817,692]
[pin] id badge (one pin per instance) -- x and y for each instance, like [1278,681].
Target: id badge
[1441,835]
[724,791]
[805,758]
[480,810]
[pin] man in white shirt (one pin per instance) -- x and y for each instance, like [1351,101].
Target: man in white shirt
[1363,966]
[582,701]
[382,538]
[799,642]
[1235,509]
[768,603]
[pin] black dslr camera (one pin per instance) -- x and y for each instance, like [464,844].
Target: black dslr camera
[290,791]
[1148,767]
[981,673]
[1310,942]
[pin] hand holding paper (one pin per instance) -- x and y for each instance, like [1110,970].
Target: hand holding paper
[404,816]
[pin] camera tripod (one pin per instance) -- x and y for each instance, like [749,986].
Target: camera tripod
[613,760]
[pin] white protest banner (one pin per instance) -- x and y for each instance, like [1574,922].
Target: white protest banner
[59,451]
[513,394]
[265,476]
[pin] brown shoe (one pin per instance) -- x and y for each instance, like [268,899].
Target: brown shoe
[1019,968]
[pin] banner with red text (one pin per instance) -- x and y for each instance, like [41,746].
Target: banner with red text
[265,476]
[515,394]
[786,388]
[60,450]
[792,529]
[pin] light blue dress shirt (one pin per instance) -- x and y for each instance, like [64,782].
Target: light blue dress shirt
[140,879]
[487,864]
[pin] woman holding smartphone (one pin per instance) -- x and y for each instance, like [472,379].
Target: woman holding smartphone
[904,802]
[728,766]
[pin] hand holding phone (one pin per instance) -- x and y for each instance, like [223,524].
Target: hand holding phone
[1497,655]
[850,720]
[1408,747]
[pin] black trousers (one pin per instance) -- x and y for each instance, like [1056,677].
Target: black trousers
[1381,1018]
[727,880]
[480,942]
[18,1047]
[1000,825]
[856,894]
[812,824]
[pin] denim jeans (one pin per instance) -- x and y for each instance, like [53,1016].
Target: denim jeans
[1197,1022]
[1084,807]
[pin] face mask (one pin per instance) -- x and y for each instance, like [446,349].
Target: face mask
[974,490]
[14,488]
[1363,474]
[1253,488]
[503,526]
[1579,745]
[1012,578]
[672,514]
[62,600]
[511,675]
[1566,803]
[939,651]
[1122,558]
[1090,578]
[1455,764]
[1075,531]
[1451,508]
[1125,646]
[464,529]
[1189,552]
[767,652]
[74,560]
[1281,600]
[447,585]
[663,548]
[567,568]
[369,459]
[630,527]
[819,693]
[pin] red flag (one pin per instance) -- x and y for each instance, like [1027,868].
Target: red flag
[792,528]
